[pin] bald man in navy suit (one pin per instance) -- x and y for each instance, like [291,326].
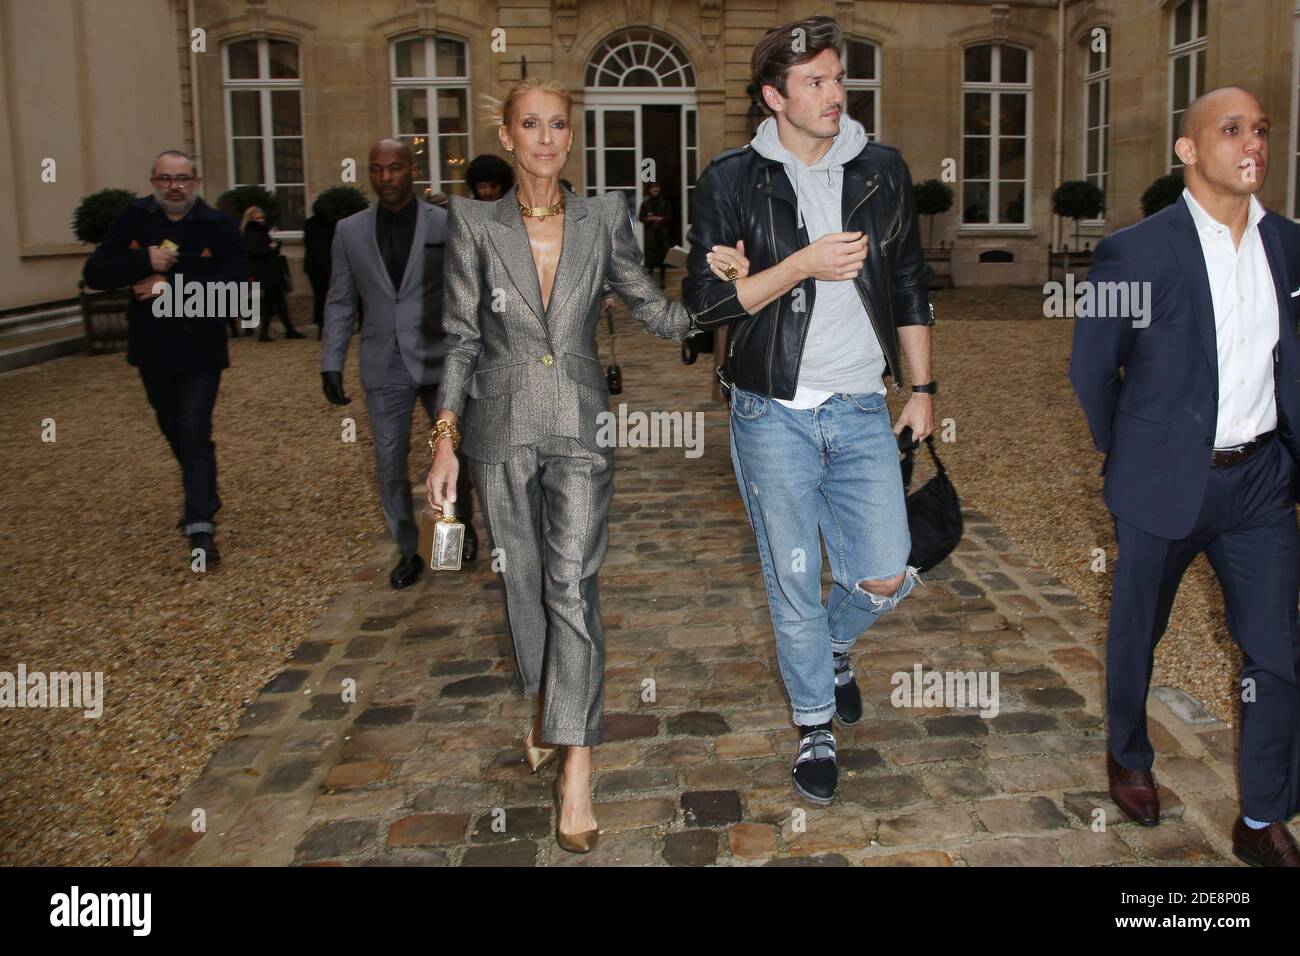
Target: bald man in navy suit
[1200,455]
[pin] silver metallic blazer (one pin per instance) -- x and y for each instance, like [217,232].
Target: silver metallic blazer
[516,372]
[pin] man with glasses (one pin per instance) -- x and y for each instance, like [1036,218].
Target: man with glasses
[170,237]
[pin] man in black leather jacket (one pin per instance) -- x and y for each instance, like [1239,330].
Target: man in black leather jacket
[836,278]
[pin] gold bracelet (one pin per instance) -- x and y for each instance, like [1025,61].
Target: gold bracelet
[444,428]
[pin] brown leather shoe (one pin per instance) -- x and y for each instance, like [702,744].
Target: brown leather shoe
[1134,792]
[1271,846]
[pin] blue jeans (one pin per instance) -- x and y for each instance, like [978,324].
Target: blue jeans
[827,472]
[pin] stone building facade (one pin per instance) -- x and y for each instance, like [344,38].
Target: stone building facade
[1002,99]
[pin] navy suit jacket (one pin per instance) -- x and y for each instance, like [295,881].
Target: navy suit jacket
[1156,422]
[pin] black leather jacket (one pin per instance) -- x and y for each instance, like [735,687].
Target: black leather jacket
[744,195]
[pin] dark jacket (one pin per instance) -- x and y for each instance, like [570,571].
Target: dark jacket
[658,238]
[211,249]
[317,237]
[1156,422]
[744,195]
[263,258]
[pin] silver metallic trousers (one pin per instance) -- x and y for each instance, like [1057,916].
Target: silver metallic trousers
[547,508]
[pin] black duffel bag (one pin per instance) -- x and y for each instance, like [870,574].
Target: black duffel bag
[933,511]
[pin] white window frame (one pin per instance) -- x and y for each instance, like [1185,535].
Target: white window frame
[996,89]
[431,86]
[1177,51]
[690,117]
[648,49]
[1099,78]
[851,84]
[264,86]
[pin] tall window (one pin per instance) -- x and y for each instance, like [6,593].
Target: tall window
[861,61]
[431,109]
[995,135]
[1186,64]
[263,89]
[1096,117]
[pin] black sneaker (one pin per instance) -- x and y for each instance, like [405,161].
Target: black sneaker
[814,768]
[848,699]
[205,541]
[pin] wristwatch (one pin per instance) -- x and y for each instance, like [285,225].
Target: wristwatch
[929,388]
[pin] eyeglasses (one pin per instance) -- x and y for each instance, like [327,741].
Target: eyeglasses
[183,182]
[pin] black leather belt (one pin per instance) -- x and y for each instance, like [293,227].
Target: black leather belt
[1221,459]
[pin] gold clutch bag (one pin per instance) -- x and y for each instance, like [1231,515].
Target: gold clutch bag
[442,539]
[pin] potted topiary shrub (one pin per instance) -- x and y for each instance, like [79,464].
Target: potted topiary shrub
[96,212]
[1163,192]
[931,197]
[235,201]
[339,202]
[103,314]
[1078,199]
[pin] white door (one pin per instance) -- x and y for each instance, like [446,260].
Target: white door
[690,165]
[613,154]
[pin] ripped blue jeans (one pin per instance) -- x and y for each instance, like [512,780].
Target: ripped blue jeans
[806,474]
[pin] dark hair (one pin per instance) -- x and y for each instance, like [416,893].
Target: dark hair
[489,168]
[776,52]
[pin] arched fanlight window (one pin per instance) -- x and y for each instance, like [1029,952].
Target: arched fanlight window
[639,58]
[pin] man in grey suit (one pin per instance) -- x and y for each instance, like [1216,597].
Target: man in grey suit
[389,259]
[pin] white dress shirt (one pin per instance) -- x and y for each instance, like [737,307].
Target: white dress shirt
[1245,324]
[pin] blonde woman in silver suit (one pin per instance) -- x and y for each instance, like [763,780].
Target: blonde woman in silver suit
[522,294]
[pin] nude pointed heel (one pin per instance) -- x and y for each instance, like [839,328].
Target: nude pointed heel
[583,842]
[537,757]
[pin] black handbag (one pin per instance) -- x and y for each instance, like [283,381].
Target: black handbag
[933,510]
[693,345]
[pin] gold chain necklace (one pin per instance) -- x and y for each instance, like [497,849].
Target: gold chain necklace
[540,212]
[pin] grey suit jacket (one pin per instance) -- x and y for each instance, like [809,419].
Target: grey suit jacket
[412,314]
[517,372]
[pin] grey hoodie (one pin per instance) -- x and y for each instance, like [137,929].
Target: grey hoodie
[841,352]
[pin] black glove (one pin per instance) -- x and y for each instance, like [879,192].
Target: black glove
[332,382]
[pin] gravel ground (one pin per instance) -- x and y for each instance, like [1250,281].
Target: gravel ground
[1023,455]
[95,576]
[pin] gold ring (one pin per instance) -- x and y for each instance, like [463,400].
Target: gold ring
[731,273]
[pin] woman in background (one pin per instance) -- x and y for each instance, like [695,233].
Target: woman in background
[266,268]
